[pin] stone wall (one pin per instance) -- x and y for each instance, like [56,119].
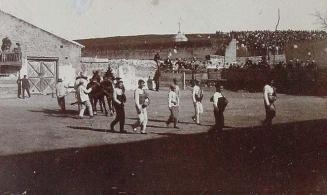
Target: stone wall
[36,42]
[129,70]
[143,54]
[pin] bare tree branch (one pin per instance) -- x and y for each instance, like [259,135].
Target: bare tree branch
[321,20]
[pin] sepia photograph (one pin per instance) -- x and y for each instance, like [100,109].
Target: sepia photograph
[163,97]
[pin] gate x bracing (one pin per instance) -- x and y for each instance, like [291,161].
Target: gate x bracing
[42,74]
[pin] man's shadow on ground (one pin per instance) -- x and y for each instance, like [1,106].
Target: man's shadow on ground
[64,114]
[163,121]
[290,157]
[58,113]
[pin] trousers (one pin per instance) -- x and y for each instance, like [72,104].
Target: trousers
[84,105]
[142,120]
[61,103]
[27,90]
[174,112]
[120,117]
[219,120]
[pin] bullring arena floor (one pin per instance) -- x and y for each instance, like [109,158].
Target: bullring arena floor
[46,152]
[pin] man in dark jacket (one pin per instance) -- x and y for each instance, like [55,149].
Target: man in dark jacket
[156,78]
[26,86]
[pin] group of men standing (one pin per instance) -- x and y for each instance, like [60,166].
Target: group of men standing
[219,101]
[117,97]
[142,101]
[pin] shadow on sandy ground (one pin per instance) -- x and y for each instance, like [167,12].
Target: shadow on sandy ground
[58,113]
[290,158]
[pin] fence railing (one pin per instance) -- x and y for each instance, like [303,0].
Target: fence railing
[10,57]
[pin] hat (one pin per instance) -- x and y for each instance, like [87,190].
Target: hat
[141,81]
[218,84]
[172,87]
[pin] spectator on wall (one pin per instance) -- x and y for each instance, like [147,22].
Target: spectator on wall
[17,50]
[156,79]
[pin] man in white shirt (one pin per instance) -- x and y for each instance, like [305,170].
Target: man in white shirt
[269,96]
[61,92]
[83,98]
[141,100]
[197,96]
[173,105]
[219,105]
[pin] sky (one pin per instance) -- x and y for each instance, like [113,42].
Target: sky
[78,19]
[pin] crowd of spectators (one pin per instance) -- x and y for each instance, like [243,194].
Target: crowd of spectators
[290,65]
[258,43]
[255,43]
[287,75]
[181,65]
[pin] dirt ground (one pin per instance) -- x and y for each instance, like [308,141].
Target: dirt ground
[44,151]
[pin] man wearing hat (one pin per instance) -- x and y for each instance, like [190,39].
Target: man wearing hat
[61,92]
[80,78]
[117,79]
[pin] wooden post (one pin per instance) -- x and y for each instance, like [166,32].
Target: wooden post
[184,84]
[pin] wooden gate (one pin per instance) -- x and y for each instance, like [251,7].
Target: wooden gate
[42,74]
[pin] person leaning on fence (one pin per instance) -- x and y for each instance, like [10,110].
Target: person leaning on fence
[19,87]
[61,92]
[219,105]
[197,96]
[119,100]
[173,105]
[269,96]
[83,98]
[142,101]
